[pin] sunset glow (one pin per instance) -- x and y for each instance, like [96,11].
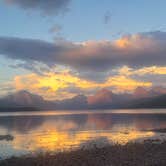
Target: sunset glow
[83,78]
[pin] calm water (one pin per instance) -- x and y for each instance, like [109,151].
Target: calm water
[59,130]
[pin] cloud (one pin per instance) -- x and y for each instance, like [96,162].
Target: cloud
[34,67]
[152,70]
[60,85]
[107,17]
[55,29]
[154,74]
[6,87]
[135,51]
[46,7]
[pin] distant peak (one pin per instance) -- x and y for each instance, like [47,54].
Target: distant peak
[24,97]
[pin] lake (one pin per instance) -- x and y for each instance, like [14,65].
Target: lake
[31,132]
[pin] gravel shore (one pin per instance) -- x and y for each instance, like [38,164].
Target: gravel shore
[148,153]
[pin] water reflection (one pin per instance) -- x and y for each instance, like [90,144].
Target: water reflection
[61,132]
[20,124]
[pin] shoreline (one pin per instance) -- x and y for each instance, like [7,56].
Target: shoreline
[147,153]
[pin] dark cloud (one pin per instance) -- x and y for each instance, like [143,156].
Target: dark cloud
[27,49]
[107,17]
[144,49]
[55,29]
[157,80]
[44,6]
[39,69]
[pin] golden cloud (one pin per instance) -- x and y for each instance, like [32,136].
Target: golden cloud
[153,70]
[50,85]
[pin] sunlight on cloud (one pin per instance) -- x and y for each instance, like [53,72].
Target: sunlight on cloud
[123,83]
[135,42]
[153,70]
[50,85]
[122,43]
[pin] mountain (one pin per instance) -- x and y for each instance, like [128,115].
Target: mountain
[103,99]
[24,100]
[77,102]
[21,98]
[106,99]
[140,98]
[150,102]
[141,92]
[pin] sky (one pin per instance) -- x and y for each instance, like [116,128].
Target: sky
[59,49]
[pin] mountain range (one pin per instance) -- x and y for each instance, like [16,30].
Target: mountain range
[102,99]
